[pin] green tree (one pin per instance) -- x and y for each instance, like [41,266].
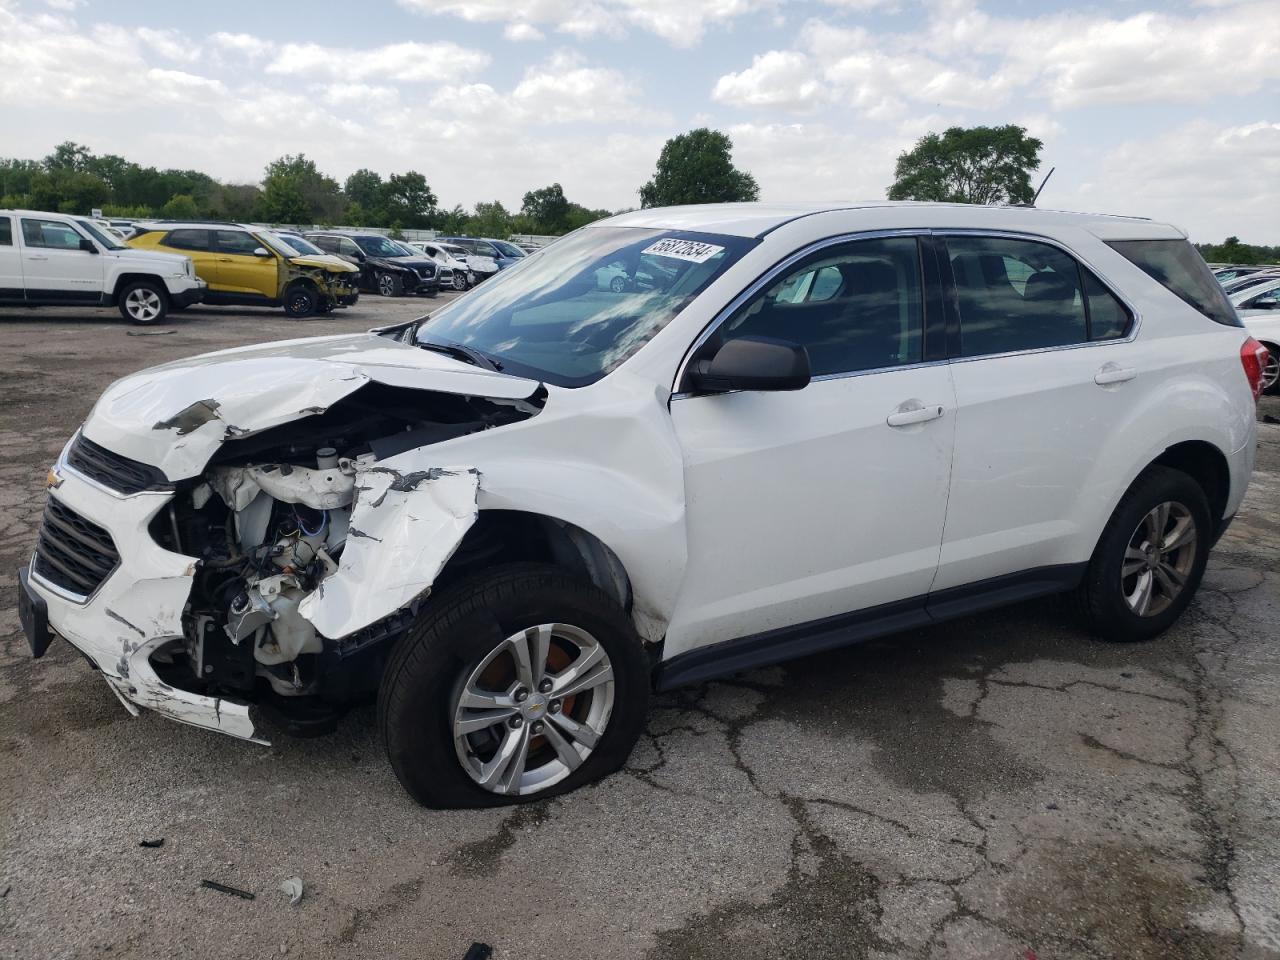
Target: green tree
[406,198]
[68,156]
[181,206]
[547,210]
[969,165]
[293,178]
[282,202]
[580,216]
[1231,250]
[490,220]
[697,167]
[452,222]
[364,188]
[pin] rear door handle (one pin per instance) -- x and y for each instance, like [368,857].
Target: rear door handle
[913,412]
[1113,373]
[33,257]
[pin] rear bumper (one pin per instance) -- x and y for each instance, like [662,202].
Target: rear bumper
[135,610]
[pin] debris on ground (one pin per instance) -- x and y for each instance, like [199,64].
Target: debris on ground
[147,333]
[293,887]
[223,888]
[478,951]
[152,844]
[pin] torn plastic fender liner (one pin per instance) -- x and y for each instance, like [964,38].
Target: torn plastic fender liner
[405,525]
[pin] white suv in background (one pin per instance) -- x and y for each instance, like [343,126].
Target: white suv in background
[514,518]
[51,259]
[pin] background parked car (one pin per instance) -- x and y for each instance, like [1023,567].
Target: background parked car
[1259,308]
[385,266]
[253,267]
[53,258]
[1240,284]
[463,276]
[503,253]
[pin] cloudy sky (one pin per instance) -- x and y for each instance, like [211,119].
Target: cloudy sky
[1163,109]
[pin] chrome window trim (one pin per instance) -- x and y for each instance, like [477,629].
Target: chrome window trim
[769,276]
[941,232]
[1107,284]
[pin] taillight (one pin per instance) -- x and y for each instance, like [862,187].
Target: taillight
[1253,357]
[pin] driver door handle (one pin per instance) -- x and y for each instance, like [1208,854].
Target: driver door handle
[31,256]
[909,413]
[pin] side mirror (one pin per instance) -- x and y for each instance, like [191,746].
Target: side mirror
[262,252]
[87,246]
[751,363]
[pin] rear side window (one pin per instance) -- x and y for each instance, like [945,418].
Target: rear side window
[188,239]
[858,306]
[6,232]
[1180,269]
[1015,295]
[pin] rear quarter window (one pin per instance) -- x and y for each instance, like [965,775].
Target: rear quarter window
[1178,267]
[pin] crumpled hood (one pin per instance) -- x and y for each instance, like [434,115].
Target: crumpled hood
[325,261]
[175,416]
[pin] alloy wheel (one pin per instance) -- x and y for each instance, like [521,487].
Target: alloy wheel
[1158,559]
[386,284]
[1271,369]
[143,304]
[534,709]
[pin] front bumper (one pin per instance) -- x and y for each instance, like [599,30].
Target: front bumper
[135,610]
[184,292]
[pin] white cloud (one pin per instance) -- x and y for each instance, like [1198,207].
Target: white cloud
[405,61]
[778,78]
[242,43]
[680,22]
[521,32]
[1214,180]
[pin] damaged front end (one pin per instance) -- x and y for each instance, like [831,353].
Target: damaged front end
[276,575]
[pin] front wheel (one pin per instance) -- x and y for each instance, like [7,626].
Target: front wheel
[519,684]
[1150,559]
[389,285]
[617,284]
[300,301]
[459,282]
[144,302]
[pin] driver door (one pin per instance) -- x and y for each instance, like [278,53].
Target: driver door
[237,268]
[811,504]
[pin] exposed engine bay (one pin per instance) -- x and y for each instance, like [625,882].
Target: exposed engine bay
[276,522]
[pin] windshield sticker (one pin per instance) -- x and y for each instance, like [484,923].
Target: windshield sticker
[691,250]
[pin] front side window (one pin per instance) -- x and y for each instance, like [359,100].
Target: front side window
[188,239]
[1267,300]
[49,234]
[1178,267]
[6,232]
[857,306]
[236,242]
[554,320]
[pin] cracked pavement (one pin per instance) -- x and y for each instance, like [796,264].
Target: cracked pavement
[997,787]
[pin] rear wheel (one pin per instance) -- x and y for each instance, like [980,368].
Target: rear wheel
[144,302]
[1271,369]
[617,284]
[390,285]
[519,684]
[300,301]
[1150,559]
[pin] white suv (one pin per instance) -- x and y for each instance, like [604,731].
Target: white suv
[516,517]
[51,259]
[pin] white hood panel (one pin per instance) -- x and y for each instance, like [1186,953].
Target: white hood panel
[176,415]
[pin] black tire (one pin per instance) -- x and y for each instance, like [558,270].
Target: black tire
[300,301]
[389,285]
[456,631]
[1271,371]
[144,302]
[1102,596]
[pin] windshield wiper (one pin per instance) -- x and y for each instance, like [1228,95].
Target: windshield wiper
[460,352]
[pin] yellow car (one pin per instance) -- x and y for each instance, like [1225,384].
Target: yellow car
[252,267]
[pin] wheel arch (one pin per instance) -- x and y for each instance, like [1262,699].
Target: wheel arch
[1204,463]
[124,279]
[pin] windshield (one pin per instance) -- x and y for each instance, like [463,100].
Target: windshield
[304,247]
[508,249]
[278,243]
[108,241]
[379,247]
[580,308]
[406,250]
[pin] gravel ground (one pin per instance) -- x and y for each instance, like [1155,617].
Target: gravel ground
[997,787]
